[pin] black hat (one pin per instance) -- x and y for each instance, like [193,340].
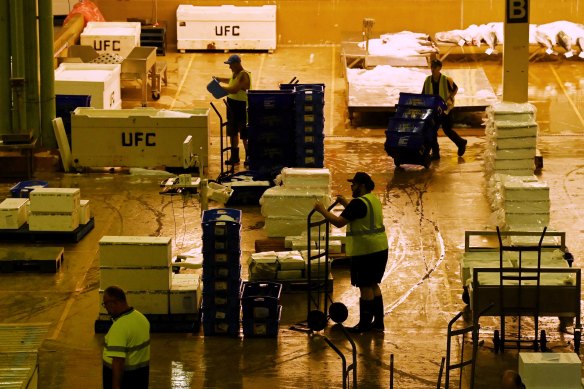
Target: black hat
[363,178]
[436,63]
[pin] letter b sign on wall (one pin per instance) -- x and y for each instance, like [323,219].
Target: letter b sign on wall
[517,11]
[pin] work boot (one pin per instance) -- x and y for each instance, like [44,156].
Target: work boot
[462,147]
[365,317]
[378,313]
[234,159]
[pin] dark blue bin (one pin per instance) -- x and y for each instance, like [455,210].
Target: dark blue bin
[269,100]
[66,104]
[23,188]
[420,100]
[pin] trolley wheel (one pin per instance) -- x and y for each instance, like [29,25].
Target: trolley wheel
[338,312]
[155,95]
[497,341]
[316,320]
[542,342]
[465,296]
[577,338]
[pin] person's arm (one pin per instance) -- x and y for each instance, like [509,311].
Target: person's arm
[241,83]
[221,79]
[337,221]
[453,88]
[117,372]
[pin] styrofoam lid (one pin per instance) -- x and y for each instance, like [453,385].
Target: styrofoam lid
[135,240]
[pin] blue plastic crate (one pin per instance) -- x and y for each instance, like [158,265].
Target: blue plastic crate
[410,141]
[260,308]
[410,126]
[212,286]
[311,141]
[270,100]
[309,97]
[228,243]
[262,136]
[213,326]
[276,153]
[304,86]
[277,119]
[267,328]
[311,128]
[261,289]
[309,117]
[417,113]
[23,188]
[222,312]
[213,257]
[219,272]
[420,100]
[218,215]
[222,300]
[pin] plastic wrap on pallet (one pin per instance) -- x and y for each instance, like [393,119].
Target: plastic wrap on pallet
[521,112]
[282,201]
[284,226]
[305,177]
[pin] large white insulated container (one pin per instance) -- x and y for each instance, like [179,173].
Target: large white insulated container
[136,279]
[55,200]
[13,213]
[143,137]
[226,27]
[185,294]
[550,370]
[135,251]
[147,302]
[112,37]
[53,221]
[101,81]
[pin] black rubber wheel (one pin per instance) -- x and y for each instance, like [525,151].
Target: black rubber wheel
[316,320]
[155,95]
[338,312]
[465,296]
[497,341]
[542,342]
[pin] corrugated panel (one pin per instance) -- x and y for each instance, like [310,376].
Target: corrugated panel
[17,369]
[22,337]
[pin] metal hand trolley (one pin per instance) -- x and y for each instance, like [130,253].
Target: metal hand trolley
[225,151]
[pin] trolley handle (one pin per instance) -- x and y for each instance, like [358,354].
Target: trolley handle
[328,209]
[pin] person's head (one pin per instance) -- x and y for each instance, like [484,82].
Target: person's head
[436,67]
[114,300]
[234,62]
[361,184]
[511,380]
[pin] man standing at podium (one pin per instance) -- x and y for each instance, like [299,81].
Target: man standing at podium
[237,87]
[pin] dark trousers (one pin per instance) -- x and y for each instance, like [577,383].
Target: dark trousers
[446,124]
[133,379]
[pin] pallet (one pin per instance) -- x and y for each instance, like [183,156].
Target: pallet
[41,259]
[178,323]
[300,285]
[23,234]
[278,244]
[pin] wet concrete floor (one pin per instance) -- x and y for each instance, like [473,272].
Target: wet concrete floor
[426,213]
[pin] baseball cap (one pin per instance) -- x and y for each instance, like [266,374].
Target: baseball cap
[233,59]
[363,178]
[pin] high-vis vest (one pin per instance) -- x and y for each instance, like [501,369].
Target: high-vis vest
[443,89]
[241,95]
[367,234]
[128,338]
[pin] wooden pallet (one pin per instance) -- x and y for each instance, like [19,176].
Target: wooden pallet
[189,323]
[40,259]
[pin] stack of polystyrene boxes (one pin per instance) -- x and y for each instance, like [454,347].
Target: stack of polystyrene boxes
[13,213]
[141,266]
[511,133]
[221,271]
[286,207]
[526,202]
[54,209]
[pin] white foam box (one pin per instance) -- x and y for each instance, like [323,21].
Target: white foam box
[226,27]
[514,164]
[112,37]
[292,202]
[185,294]
[287,226]
[48,221]
[85,212]
[139,137]
[525,191]
[528,142]
[55,200]
[527,206]
[13,213]
[306,177]
[289,274]
[514,154]
[136,279]
[100,81]
[550,370]
[147,302]
[135,251]
[536,219]
[507,129]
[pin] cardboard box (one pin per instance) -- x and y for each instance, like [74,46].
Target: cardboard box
[55,200]
[13,213]
[135,251]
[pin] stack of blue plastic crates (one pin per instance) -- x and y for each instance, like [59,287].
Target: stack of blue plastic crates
[261,309]
[270,129]
[221,271]
[309,125]
[413,129]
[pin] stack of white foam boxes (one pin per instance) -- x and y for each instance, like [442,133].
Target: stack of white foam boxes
[520,201]
[141,265]
[54,209]
[13,213]
[286,207]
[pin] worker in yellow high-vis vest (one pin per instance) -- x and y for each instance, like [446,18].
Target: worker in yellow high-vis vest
[367,246]
[444,86]
[237,87]
[126,353]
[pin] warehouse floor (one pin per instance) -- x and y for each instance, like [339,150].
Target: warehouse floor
[426,214]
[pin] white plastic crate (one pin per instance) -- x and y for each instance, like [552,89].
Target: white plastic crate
[142,137]
[101,81]
[112,37]
[226,27]
[13,213]
[135,251]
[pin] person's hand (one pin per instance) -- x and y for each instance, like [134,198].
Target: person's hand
[319,207]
